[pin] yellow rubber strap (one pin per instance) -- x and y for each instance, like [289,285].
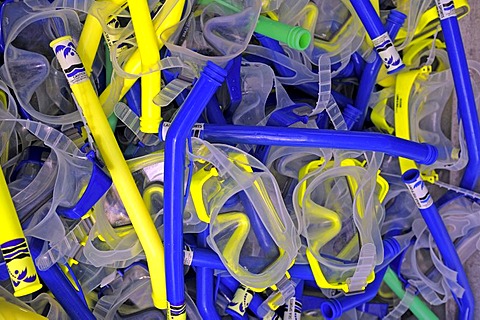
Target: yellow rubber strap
[199,179]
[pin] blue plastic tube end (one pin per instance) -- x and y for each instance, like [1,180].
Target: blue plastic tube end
[215,72]
[331,309]
[396,17]
[432,154]
[410,176]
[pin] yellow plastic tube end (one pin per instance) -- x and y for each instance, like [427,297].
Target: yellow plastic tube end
[149,125]
[28,290]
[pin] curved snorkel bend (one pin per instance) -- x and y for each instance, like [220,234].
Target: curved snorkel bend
[207,84]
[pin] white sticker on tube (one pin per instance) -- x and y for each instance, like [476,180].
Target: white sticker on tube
[196,130]
[420,193]
[165,127]
[176,312]
[187,258]
[69,60]
[446,9]
[294,310]
[387,52]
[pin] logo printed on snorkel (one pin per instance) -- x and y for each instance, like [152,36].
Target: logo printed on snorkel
[241,300]
[70,61]
[15,252]
[424,199]
[386,50]
[446,9]
[420,193]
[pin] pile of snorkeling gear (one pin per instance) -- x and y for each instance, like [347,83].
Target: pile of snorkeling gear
[237,159]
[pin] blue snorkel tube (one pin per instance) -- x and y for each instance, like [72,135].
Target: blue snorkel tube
[205,285]
[72,301]
[438,230]
[467,109]
[421,153]
[380,37]
[205,87]
[369,76]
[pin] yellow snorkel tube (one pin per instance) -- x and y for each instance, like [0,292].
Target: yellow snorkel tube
[12,311]
[14,247]
[169,15]
[90,106]
[92,32]
[150,58]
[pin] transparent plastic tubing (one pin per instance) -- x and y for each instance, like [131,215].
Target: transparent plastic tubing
[369,76]
[207,84]
[467,109]
[439,232]
[60,286]
[205,287]
[421,153]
